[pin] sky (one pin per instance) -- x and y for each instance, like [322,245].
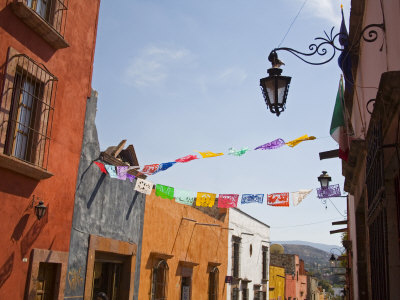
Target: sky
[180,76]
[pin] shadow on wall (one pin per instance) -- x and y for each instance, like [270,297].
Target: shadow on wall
[26,36]
[95,190]
[19,228]
[132,204]
[6,269]
[33,233]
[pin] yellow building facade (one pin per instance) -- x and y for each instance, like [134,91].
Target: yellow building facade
[276,283]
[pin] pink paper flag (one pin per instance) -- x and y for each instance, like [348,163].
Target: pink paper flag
[186,158]
[227,200]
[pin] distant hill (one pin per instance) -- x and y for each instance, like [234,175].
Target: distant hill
[313,258]
[323,247]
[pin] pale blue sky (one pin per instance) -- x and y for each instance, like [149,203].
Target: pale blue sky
[181,75]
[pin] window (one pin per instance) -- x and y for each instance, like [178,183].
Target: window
[235,293]
[160,281]
[27,108]
[245,293]
[264,296]
[46,17]
[264,263]
[236,256]
[257,295]
[186,288]
[213,284]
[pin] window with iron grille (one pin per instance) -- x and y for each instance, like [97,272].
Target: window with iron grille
[236,256]
[264,296]
[46,17]
[27,108]
[235,293]
[257,295]
[264,263]
[160,281]
[213,284]
[245,293]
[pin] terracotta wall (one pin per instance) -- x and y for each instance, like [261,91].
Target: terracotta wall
[20,231]
[166,232]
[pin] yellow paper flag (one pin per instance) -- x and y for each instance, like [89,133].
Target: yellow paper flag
[209,154]
[300,139]
[205,199]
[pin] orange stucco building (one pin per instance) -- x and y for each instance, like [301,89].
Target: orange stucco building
[46,59]
[184,251]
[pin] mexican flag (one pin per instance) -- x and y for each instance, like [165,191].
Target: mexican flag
[338,126]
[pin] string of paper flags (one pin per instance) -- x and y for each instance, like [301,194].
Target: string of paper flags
[209,199]
[275,144]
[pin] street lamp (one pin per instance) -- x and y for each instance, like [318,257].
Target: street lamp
[324,179]
[40,210]
[275,87]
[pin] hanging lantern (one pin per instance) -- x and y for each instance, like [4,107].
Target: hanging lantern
[275,87]
[324,179]
[40,210]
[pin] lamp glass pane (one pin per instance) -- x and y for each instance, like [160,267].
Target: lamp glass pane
[281,84]
[270,87]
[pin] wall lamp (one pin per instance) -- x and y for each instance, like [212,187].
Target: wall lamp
[40,210]
[324,179]
[275,87]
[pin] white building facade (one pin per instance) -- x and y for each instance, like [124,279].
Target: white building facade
[248,257]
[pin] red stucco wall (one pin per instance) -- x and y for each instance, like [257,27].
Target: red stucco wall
[20,231]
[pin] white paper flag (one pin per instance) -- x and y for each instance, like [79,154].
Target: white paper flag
[297,197]
[143,186]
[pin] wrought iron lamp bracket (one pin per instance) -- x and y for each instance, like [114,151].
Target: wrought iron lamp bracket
[329,42]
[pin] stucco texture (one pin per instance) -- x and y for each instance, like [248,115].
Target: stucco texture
[254,235]
[104,206]
[165,232]
[20,231]
[276,283]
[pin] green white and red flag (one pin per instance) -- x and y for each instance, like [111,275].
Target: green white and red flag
[338,125]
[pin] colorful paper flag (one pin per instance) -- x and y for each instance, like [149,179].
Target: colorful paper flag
[252,198]
[278,199]
[208,154]
[205,199]
[186,158]
[271,145]
[111,171]
[121,172]
[227,200]
[330,191]
[299,196]
[165,166]
[240,152]
[184,197]
[143,186]
[164,191]
[297,141]
[150,169]
[130,177]
[101,167]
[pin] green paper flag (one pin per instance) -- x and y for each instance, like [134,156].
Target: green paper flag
[164,191]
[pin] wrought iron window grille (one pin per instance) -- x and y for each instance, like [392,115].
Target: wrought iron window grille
[53,12]
[27,106]
[160,281]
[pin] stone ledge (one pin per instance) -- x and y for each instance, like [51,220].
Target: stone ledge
[39,25]
[18,166]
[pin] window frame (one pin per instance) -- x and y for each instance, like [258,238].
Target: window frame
[213,282]
[264,264]
[20,68]
[236,244]
[163,266]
